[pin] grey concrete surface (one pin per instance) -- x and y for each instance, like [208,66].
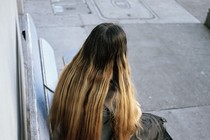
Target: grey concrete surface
[187,123]
[171,62]
[197,8]
[168,50]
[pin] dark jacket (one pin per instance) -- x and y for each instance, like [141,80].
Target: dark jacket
[152,128]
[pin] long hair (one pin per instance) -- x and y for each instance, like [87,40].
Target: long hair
[77,108]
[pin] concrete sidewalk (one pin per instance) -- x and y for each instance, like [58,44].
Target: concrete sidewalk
[168,50]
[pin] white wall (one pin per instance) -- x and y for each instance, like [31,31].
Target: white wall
[8,71]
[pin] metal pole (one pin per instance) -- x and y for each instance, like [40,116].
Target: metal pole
[207,22]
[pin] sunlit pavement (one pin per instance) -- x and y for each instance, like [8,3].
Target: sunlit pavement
[168,50]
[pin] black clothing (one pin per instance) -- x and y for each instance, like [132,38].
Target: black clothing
[152,128]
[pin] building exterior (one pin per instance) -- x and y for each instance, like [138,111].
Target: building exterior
[11,72]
